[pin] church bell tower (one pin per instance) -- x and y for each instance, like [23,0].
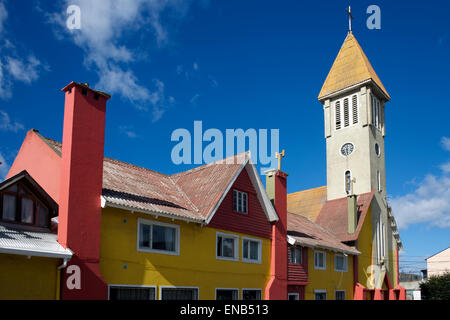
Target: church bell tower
[353,99]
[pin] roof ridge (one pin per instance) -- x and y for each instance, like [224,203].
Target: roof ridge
[307,190]
[207,165]
[185,196]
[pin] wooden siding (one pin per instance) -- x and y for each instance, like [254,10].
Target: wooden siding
[253,223]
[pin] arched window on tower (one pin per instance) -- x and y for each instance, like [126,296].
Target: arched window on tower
[379,180]
[348,182]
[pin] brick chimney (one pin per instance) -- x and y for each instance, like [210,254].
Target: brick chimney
[79,219]
[276,288]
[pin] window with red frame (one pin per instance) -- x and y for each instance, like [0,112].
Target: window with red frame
[19,205]
[240,201]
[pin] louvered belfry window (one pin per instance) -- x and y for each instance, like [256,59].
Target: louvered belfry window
[355,109]
[346,111]
[338,115]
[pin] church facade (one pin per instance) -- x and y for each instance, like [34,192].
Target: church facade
[353,205]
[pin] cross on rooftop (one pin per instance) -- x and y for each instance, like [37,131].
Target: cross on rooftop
[279,156]
[350,17]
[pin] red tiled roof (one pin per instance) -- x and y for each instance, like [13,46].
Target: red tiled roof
[191,194]
[334,216]
[309,234]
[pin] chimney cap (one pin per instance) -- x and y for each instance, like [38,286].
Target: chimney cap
[86,86]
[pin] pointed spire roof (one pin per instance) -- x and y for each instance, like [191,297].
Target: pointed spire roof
[350,67]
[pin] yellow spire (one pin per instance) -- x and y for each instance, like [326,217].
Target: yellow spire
[350,67]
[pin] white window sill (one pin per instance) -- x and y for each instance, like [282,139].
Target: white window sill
[173,253]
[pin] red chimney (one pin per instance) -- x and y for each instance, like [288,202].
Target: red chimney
[276,289]
[79,219]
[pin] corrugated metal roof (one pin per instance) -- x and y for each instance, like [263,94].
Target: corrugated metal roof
[31,243]
[307,233]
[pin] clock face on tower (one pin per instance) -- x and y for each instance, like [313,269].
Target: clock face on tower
[347,148]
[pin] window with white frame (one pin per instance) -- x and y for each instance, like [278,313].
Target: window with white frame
[121,292]
[348,181]
[320,295]
[376,112]
[346,111]
[240,201]
[251,250]
[179,293]
[295,255]
[320,260]
[339,295]
[251,294]
[227,246]
[158,237]
[293,296]
[227,294]
[340,262]
[381,240]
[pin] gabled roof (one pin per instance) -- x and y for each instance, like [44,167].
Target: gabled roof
[193,195]
[24,176]
[350,67]
[334,216]
[307,203]
[308,234]
[437,253]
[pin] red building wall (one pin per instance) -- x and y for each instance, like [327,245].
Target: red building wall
[253,223]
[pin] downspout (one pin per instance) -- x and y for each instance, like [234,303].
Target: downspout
[58,278]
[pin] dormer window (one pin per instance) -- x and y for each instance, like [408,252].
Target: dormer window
[18,204]
[346,111]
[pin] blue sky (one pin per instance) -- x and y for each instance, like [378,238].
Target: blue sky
[238,64]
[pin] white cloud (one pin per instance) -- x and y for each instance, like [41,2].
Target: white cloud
[12,67]
[445,142]
[128,131]
[23,71]
[104,23]
[7,125]
[3,15]
[445,167]
[429,204]
[4,168]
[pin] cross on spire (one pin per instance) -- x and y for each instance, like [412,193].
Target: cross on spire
[279,156]
[350,17]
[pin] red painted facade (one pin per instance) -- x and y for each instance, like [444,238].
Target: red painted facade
[276,288]
[81,187]
[41,162]
[253,223]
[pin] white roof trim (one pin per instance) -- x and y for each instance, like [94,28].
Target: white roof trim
[67,253]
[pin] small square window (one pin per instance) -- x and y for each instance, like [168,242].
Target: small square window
[295,255]
[227,294]
[158,237]
[227,246]
[340,262]
[320,295]
[340,295]
[251,250]
[251,294]
[320,262]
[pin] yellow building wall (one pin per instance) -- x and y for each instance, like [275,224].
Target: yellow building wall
[329,279]
[365,246]
[23,279]
[195,266]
